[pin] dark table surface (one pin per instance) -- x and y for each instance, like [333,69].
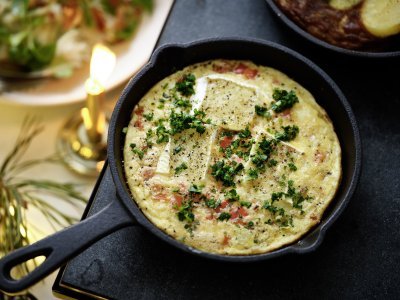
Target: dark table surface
[360,256]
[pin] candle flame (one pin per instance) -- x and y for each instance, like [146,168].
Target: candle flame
[102,63]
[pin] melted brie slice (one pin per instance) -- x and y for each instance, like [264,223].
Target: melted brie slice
[229,103]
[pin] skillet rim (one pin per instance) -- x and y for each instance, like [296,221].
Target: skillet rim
[316,234]
[321,43]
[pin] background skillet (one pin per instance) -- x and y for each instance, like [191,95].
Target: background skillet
[392,52]
[123,211]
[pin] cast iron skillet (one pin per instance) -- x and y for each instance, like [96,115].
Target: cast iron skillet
[391,52]
[123,211]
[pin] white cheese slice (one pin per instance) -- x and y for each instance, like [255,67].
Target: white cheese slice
[163,161]
[222,98]
[195,152]
[199,93]
[290,145]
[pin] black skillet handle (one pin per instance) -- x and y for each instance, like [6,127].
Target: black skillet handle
[61,246]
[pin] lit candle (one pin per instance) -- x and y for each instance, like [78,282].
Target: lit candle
[101,66]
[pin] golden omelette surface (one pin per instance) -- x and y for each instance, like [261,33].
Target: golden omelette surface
[232,158]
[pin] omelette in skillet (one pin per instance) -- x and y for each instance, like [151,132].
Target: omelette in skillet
[231,158]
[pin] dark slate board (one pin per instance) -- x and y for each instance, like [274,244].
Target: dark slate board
[360,255]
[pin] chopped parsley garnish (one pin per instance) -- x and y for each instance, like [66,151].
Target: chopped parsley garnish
[162,134]
[259,159]
[244,155]
[199,113]
[245,133]
[182,121]
[225,172]
[283,100]
[245,204]
[180,168]
[160,122]
[149,116]
[196,189]
[252,173]
[272,163]
[227,133]
[262,111]
[199,126]
[292,166]
[285,221]
[212,203]
[235,144]
[177,149]
[270,207]
[281,218]
[185,212]
[232,195]
[179,102]
[224,216]
[267,146]
[186,84]
[289,133]
[245,144]
[277,196]
[297,197]
[250,225]
[240,146]
[227,151]
[136,151]
[149,135]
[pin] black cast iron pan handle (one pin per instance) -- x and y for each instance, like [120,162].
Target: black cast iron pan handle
[62,246]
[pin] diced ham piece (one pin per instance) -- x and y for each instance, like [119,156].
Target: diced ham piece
[177,199]
[286,113]
[148,173]
[138,123]
[237,213]
[319,157]
[226,142]
[248,72]
[158,192]
[139,112]
[237,159]
[226,240]
[223,67]
[222,206]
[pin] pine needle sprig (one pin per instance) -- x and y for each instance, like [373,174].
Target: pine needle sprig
[17,194]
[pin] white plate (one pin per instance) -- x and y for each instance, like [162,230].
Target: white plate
[131,55]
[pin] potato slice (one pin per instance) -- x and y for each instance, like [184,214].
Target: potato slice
[343,4]
[381,17]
